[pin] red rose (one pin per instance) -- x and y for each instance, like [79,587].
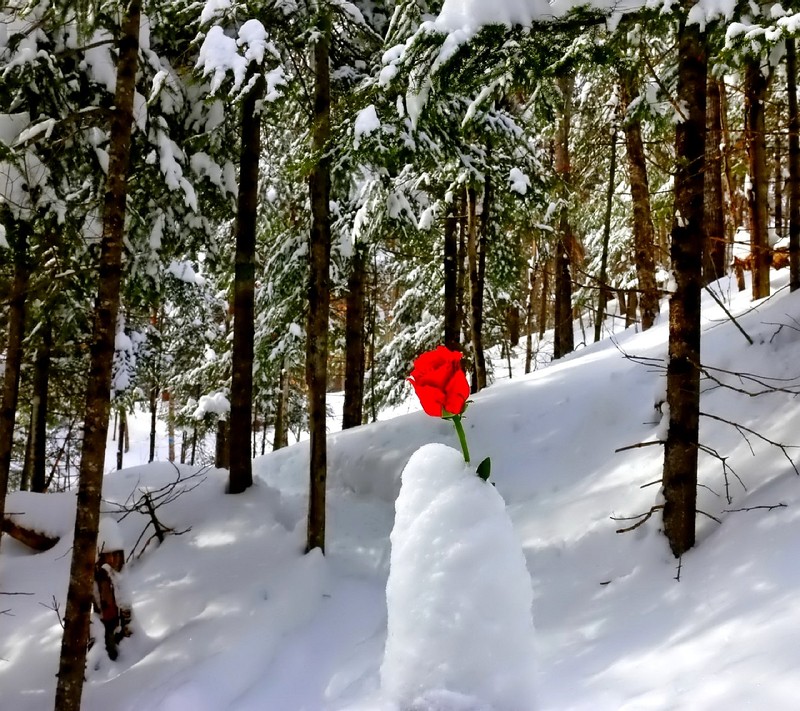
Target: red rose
[439,382]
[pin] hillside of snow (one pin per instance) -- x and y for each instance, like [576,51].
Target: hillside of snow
[229,615]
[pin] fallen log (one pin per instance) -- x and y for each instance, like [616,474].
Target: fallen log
[33,539]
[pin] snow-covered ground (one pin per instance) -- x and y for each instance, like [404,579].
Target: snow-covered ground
[230,615]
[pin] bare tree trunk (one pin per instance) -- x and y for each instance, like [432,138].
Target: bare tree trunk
[643,234]
[153,420]
[319,184]
[735,202]
[476,292]
[171,427]
[563,337]
[34,475]
[355,347]
[79,598]
[530,308]
[41,403]
[777,193]
[121,438]
[241,417]
[755,97]
[602,291]
[13,363]
[679,480]
[451,329]
[714,253]
[543,301]
[222,449]
[280,437]
[794,165]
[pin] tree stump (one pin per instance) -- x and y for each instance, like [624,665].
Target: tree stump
[115,613]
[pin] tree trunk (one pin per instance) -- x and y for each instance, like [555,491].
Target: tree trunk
[777,193]
[563,337]
[319,185]
[34,475]
[170,427]
[475,291]
[461,290]
[281,434]
[794,165]
[41,403]
[153,420]
[544,299]
[530,307]
[222,448]
[643,234]
[13,363]
[121,438]
[241,417]
[602,290]
[755,97]
[683,375]
[355,348]
[79,598]
[714,252]
[451,330]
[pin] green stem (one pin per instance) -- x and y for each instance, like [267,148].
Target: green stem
[461,437]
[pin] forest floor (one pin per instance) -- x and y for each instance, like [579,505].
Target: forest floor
[231,615]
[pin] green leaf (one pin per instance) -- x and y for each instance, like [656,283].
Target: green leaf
[485,469]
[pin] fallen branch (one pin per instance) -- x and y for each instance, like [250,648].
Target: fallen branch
[755,508]
[55,607]
[643,517]
[33,539]
[728,314]
[639,445]
[742,429]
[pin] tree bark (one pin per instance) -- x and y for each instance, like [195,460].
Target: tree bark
[475,291]
[755,97]
[643,233]
[121,438]
[714,253]
[241,417]
[777,188]
[13,363]
[222,448]
[40,405]
[319,185]
[153,421]
[355,348]
[683,375]
[281,434]
[451,328]
[79,598]
[563,337]
[602,286]
[794,165]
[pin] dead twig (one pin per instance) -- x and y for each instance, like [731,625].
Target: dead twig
[639,445]
[641,518]
[729,314]
[755,508]
[744,431]
[55,607]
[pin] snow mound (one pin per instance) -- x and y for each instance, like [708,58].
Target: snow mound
[459,594]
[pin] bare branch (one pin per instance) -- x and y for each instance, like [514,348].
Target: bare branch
[639,445]
[742,429]
[642,518]
[754,508]
[55,607]
[728,314]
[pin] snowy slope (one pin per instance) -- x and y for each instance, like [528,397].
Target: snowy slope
[230,615]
